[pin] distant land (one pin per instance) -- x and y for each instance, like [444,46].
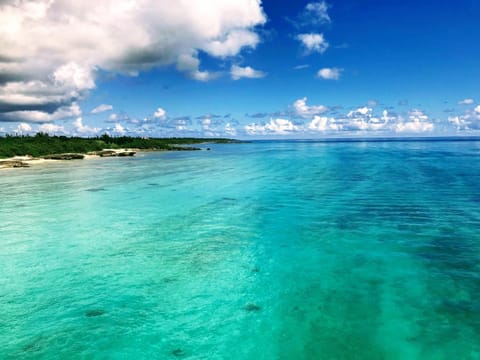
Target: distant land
[42,145]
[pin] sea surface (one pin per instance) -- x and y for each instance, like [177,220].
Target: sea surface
[267,250]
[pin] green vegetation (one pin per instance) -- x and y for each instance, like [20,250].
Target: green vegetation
[43,144]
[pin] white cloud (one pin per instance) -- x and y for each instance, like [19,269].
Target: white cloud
[102,108]
[280,126]
[230,130]
[414,127]
[35,116]
[119,129]
[82,129]
[329,73]
[301,67]
[46,99]
[303,110]
[316,13]
[55,47]
[231,43]
[313,42]
[361,111]
[469,120]
[189,63]
[417,122]
[363,119]
[466,102]
[74,76]
[51,129]
[323,123]
[460,122]
[37,94]
[183,123]
[238,72]
[206,123]
[23,128]
[254,129]
[160,114]
[273,127]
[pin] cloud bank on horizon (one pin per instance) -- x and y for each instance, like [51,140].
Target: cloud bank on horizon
[56,55]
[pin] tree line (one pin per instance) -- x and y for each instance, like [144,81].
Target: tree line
[43,144]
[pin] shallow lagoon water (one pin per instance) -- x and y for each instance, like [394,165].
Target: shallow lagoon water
[271,250]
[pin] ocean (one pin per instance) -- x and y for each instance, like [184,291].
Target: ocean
[263,250]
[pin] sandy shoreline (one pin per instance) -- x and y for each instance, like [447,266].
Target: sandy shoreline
[28,161]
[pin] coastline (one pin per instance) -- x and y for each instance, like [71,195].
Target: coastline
[26,151]
[26,161]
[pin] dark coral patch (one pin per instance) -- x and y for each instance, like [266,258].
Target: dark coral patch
[94,312]
[178,352]
[95,189]
[252,307]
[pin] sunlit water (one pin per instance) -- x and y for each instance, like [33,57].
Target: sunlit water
[250,251]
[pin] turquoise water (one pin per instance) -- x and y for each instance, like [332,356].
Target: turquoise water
[275,250]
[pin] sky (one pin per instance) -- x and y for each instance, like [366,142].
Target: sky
[243,69]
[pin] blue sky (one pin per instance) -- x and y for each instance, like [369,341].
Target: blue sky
[244,68]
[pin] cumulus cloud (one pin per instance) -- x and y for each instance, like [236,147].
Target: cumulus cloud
[273,127]
[189,63]
[329,73]
[417,122]
[360,111]
[51,129]
[363,119]
[121,117]
[119,129]
[230,130]
[82,129]
[206,123]
[160,114]
[466,102]
[324,123]
[52,49]
[231,43]
[23,128]
[211,123]
[238,72]
[102,108]
[313,42]
[469,120]
[303,110]
[180,124]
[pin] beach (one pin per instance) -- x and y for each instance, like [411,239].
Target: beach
[27,160]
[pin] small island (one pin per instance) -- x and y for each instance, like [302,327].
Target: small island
[21,151]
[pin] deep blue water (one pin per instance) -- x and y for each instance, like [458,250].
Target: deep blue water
[269,250]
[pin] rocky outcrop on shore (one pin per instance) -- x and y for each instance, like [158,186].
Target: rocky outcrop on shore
[66,156]
[126,153]
[113,153]
[6,164]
